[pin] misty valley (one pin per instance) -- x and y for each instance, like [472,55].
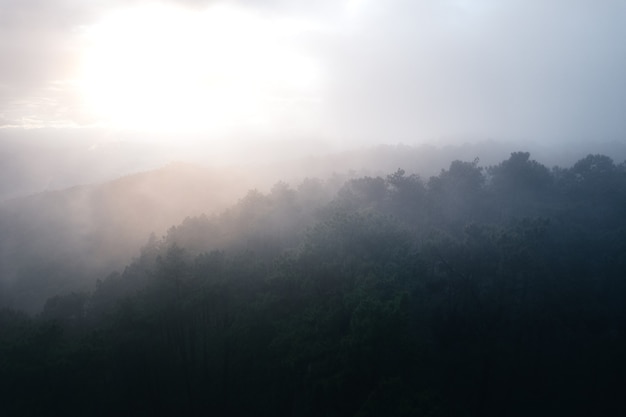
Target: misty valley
[479,291]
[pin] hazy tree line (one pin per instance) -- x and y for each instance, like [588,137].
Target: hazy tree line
[480,291]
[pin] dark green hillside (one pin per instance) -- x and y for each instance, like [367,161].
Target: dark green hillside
[482,291]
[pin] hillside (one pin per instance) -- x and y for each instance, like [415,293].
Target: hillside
[59,241]
[481,291]
[64,240]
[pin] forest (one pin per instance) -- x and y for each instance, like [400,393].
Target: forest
[479,291]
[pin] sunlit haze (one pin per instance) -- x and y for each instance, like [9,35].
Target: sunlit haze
[228,81]
[312,208]
[167,68]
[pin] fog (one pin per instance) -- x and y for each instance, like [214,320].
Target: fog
[289,78]
[400,71]
[505,279]
[314,205]
[92,92]
[36,160]
[124,119]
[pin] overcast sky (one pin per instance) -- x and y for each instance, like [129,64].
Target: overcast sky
[354,71]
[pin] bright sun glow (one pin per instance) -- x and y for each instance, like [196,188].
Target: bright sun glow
[169,68]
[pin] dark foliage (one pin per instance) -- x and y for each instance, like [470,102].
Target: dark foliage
[480,292]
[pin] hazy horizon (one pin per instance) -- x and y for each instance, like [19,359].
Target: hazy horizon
[236,80]
[295,208]
[41,160]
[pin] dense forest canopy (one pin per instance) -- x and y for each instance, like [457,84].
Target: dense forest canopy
[493,290]
[296,208]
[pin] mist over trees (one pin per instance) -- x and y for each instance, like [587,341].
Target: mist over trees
[60,241]
[480,290]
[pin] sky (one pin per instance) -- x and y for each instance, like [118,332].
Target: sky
[213,75]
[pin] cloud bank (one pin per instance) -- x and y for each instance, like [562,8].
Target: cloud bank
[390,71]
